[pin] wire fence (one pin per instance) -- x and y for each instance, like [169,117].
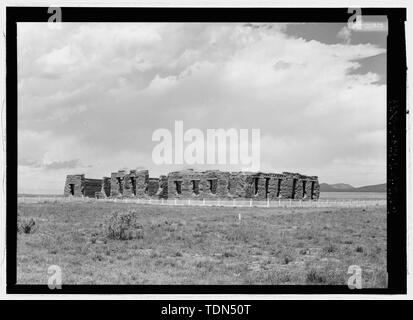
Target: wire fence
[280,203]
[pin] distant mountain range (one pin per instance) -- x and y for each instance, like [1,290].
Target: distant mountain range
[342,187]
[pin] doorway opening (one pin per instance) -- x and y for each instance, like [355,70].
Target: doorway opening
[304,189]
[133,183]
[72,189]
[120,186]
[255,186]
[178,187]
[195,186]
[294,187]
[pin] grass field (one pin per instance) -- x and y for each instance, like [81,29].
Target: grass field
[203,245]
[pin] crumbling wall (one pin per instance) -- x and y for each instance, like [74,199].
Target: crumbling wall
[309,188]
[142,183]
[153,186]
[91,187]
[298,186]
[274,186]
[215,184]
[190,184]
[266,186]
[130,185]
[105,187]
[241,184]
[77,185]
[116,183]
[184,184]
[162,192]
[74,185]
[289,185]
[313,188]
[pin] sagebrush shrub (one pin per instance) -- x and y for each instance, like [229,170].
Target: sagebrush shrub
[25,225]
[124,226]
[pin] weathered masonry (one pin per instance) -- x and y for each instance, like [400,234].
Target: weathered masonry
[77,185]
[190,184]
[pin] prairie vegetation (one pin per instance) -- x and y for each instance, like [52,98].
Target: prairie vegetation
[118,243]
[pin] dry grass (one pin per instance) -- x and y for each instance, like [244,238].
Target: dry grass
[203,245]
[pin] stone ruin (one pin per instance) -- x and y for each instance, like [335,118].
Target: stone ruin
[77,185]
[197,185]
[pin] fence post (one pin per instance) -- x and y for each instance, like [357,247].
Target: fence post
[250,202]
[174,202]
[203,201]
[290,203]
[233,202]
[268,203]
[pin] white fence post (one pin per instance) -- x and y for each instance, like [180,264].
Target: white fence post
[250,202]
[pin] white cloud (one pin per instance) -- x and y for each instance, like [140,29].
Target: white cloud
[96,92]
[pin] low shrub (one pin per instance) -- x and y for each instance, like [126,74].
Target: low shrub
[315,277]
[124,226]
[326,276]
[331,248]
[359,249]
[25,225]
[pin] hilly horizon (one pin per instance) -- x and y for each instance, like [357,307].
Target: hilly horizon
[343,187]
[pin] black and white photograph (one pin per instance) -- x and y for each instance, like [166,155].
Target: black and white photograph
[206,152]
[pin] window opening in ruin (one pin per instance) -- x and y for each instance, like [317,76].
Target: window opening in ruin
[133,183]
[304,189]
[279,188]
[212,186]
[255,186]
[119,180]
[294,187]
[195,186]
[72,189]
[178,187]
[312,189]
[267,184]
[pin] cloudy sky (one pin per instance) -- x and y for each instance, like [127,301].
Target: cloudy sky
[91,95]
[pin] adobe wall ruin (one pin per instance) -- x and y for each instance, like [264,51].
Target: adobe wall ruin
[77,185]
[190,184]
[129,185]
